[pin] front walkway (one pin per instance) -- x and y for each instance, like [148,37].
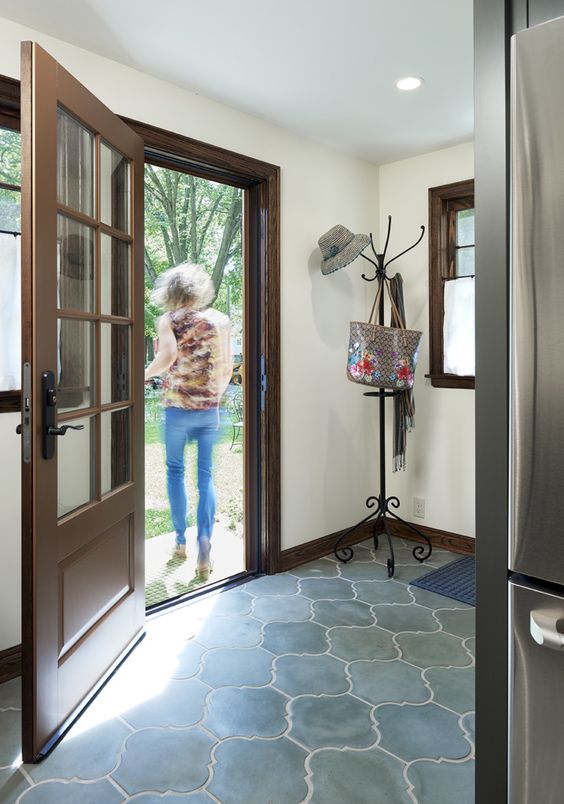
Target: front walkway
[168,577]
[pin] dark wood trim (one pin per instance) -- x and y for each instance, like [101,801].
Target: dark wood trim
[441,539]
[10,663]
[10,401]
[442,200]
[310,551]
[317,548]
[451,381]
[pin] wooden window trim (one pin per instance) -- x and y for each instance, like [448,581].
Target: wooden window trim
[262,245]
[442,200]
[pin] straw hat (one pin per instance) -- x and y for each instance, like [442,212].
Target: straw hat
[339,246]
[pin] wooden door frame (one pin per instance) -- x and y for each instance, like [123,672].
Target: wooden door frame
[261,180]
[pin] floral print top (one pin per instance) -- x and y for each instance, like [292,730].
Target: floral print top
[199,375]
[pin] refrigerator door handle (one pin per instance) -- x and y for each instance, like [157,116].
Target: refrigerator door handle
[547,629]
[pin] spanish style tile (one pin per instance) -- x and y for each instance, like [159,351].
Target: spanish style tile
[328,721]
[164,759]
[282,638]
[10,740]
[452,687]
[365,777]
[11,694]
[181,703]
[273,585]
[432,650]
[88,754]
[298,675]
[230,632]
[258,771]
[342,612]
[405,618]
[380,682]
[322,568]
[389,591]
[410,731]
[362,643]
[326,588]
[267,609]
[244,667]
[317,685]
[442,783]
[246,712]
[461,622]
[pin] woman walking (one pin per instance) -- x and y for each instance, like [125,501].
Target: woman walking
[195,358]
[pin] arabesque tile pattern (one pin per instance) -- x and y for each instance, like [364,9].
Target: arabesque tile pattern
[330,684]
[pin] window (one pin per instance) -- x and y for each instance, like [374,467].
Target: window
[10,227]
[451,285]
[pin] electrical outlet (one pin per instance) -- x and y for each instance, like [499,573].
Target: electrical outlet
[419,507]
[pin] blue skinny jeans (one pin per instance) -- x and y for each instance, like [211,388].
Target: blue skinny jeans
[181,427]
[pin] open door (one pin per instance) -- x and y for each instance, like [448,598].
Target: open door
[82,416]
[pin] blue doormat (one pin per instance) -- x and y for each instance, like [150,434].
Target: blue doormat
[456,580]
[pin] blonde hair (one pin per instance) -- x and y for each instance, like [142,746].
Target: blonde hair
[185,285]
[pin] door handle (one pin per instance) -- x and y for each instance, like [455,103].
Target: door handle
[547,629]
[60,431]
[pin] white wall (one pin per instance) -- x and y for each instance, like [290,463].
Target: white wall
[440,456]
[10,529]
[327,463]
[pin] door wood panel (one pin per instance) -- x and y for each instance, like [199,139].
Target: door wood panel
[82,523]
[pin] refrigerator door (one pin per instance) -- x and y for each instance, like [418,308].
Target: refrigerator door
[536,768]
[537,314]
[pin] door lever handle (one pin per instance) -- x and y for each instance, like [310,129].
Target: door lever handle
[60,431]
[547,629]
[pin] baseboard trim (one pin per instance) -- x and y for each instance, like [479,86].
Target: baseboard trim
[10,663]
[442,539]
[310,551]
[318,548]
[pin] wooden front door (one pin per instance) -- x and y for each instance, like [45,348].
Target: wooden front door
[82,285]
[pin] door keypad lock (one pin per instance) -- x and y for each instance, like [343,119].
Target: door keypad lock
[49,404]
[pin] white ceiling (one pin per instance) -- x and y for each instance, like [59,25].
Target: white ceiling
[324,69]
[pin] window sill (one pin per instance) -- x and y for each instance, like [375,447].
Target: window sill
[451,381]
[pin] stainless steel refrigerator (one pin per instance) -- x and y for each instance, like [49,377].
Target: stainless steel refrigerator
[536,543]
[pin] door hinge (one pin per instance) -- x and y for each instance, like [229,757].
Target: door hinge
[262,384]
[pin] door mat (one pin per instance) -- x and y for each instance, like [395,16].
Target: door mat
[456,580]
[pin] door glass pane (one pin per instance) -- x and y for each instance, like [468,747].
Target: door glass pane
[10,210]
[465,227]
[115,260]
[75,265]
[115,456]
[76,365]
[76,470]
[465,262]
[114,356]
[114,188]
[10,156]
[75,164]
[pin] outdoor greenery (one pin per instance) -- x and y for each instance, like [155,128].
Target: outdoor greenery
[188,219]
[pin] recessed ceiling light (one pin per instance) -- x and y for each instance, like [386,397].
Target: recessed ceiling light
[409,82]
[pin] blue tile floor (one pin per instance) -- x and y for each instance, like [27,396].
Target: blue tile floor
[328,684]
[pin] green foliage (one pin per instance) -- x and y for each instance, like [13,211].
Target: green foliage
[157,521]
[188,219]
[10,156]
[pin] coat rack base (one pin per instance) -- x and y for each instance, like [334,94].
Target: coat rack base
[383,507]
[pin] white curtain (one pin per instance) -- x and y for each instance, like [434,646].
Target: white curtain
[10,312]
[459,327]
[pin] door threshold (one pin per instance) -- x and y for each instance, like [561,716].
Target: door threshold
[210,588]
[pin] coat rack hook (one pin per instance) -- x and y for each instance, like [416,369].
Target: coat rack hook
[419,239]
[370,260]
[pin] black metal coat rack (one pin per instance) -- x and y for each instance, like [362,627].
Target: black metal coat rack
[382,503]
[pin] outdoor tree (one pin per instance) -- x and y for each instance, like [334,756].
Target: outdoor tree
[188,219]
